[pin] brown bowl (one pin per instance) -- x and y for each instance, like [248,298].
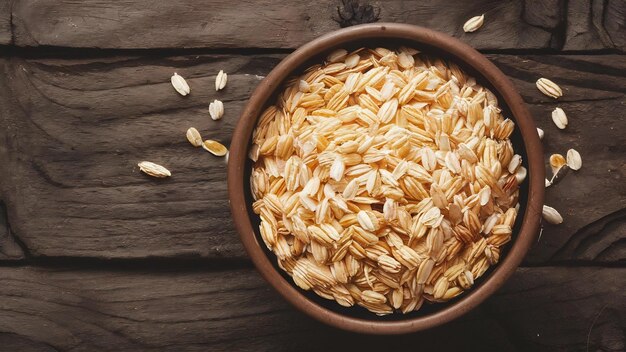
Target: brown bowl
[525,140]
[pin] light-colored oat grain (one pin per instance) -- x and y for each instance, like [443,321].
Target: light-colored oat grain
[194,137]
[557,161]
[214,147]
[552,215]
[220,80]
[154,170]
[559,118]
[549,88]
[180,85]
[574,161]
[216,109]
[474,23]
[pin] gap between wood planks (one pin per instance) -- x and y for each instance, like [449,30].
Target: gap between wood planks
[213,264]
[59,52]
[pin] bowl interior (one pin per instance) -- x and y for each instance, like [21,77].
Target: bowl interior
[516,138]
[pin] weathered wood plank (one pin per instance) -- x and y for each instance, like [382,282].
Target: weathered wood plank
[510,24]
[9,248]
[102,122]
[6,32]
[615,13]
[77,128]
[573,309]
[12,342]
[224,311]
[595,24]
[600,241]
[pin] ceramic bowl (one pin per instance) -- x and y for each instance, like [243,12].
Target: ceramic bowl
[525,140]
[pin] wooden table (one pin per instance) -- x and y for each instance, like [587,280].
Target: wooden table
[95,255]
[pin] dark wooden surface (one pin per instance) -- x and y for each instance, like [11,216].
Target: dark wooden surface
[95,255]
[511,24]
[203,309]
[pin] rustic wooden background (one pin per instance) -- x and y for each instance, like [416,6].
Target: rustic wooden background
[96,256]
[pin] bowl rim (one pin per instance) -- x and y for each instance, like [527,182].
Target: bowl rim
[488,71]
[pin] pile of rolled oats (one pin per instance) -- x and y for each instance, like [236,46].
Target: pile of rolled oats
[385,178]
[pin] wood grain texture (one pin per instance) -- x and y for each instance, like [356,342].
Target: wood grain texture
[97,119]
[510,24]
[124,262]
[595,24]
[615,22]
[12,342]
[9,248]
[602,241]
[6,32]
[545,308]
[77,128]
[86,310]
[543,13]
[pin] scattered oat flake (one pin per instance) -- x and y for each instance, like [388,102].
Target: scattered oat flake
[557,161]
[216,109]
[154,170]
[474,23]
[559,118]
[574,161]
[180,84]
[220,80]
[214,147]
[549,88]
[194,137]
[552,215]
